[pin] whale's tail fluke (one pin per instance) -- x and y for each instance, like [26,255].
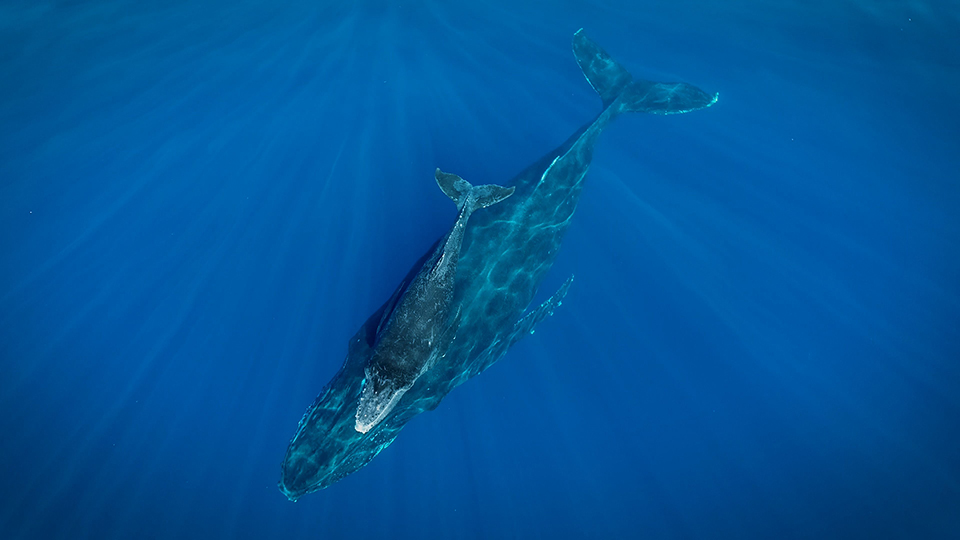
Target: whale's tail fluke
[465,194]
[617,88]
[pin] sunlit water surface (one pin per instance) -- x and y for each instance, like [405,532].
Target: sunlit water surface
[201,201]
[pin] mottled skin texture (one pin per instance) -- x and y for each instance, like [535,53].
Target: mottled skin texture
[417,328]
[506,252]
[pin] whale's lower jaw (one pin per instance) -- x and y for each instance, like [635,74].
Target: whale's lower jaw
[375,406]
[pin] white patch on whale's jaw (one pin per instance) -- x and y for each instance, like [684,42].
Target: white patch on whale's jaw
[375,406]
[362,428]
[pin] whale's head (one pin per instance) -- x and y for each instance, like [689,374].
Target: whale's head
[378,397]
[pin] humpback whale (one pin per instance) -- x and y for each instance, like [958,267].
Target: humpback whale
[506,250]
[417,331]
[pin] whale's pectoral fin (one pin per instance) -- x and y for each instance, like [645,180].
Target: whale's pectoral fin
[612,81]
[450,332]
[528,323]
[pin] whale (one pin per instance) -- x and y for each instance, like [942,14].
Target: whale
[505,253]
[417,329]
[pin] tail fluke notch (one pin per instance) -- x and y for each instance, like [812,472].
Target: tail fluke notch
[462,192]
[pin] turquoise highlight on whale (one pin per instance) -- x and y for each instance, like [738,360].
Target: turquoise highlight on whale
[504,253]
[417,328]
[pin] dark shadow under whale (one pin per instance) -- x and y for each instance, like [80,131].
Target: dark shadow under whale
[507,250]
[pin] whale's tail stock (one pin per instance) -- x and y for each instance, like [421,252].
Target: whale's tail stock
[618,88]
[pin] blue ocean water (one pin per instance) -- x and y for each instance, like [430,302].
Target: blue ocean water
[201,202]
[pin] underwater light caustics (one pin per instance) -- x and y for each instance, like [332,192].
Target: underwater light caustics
[420,324]
[462,305]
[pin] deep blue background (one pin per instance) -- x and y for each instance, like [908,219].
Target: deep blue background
[201,202]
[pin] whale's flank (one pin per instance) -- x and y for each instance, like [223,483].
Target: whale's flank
[463,304]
